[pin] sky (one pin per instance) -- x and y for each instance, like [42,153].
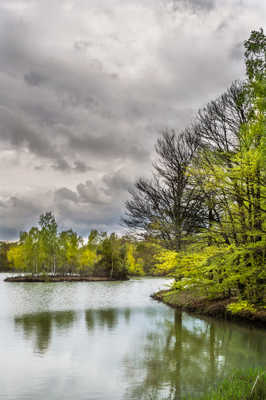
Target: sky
[87,87]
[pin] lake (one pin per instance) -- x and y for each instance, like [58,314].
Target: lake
[111,341]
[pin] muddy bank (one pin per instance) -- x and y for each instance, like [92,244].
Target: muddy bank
[192,302]
[58,278]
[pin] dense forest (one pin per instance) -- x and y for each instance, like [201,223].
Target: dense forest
[200,218]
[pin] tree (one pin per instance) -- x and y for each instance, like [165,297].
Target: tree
[168,205]
[112,252]
[206,201]
[4,248]
[16,257]
[134,266]
[255,56]
[49,239]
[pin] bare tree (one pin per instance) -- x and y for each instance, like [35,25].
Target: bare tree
[168,205]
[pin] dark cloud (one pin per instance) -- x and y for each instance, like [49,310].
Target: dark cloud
[118,182]
[7,233]
[109,146]
[90,193]
[194,5]
[85,94]
[34,78]
[15,130]
[65,194]
[80,166]
[61,165]
[17,215]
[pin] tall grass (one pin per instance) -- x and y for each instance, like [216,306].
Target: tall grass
[241,385]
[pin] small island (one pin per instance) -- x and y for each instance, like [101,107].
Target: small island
[59,278]
[46,254]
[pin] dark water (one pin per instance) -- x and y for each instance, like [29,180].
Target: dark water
[110,341]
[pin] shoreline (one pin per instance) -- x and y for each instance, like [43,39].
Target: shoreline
[58,278]
[192,303]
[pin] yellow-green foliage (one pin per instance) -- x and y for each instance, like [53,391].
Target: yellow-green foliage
[167,261]
[239,306]
[218,271]
[133,265]
[87,260]
[186,266]
[16,257]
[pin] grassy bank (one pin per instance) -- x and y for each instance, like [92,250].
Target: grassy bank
[241,385]
[191,300]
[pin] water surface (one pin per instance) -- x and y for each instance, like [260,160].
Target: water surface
[111,341]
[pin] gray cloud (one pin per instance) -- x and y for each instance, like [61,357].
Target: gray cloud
[90,193]
[117,182]
[34,78]
[237,51]
[15,130]
[194,5]
[85,92]
[16,216]
[65,194]
[90,205]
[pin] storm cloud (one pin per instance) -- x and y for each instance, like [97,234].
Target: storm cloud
[87,87]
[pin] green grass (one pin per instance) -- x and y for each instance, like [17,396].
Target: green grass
[241,385]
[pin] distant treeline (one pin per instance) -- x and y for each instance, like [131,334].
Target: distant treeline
[5,265]
[44,249]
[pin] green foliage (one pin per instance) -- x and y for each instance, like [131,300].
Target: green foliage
[88,260]
[5,265]
[242,385]
[167,262]
[146,252]
[218,271]
[240,306]
[44,250]
[255,54]
[113,257]
[16,257]
[133,265]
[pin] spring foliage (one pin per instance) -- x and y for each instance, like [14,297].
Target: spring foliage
[44,249]
[209,193]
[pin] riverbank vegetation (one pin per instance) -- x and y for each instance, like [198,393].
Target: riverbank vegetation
[241,385]
[205,204]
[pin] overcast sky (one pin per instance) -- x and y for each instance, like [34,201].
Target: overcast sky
[86,88]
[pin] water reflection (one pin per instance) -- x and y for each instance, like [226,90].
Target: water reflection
[114,334]
[184,356]
[39,326]
[109,318]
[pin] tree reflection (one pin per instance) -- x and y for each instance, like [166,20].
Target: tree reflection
[40,326]
[108,317]
[184,356]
